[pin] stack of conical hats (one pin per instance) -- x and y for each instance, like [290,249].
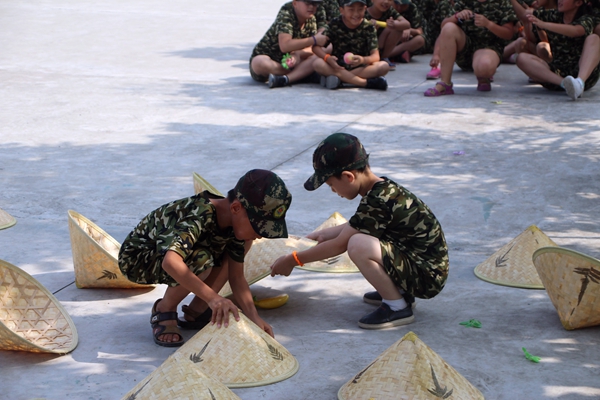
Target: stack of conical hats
[6,220]
[572,280]
[512,264]
[31,318]
[95,255]
[178,379]
[241,355]
[408,369]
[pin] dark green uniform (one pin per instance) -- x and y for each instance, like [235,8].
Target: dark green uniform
[286,22]
[434,13]
[566,51]
[188,227]
[390,13]
[331,9]
[360,41]
[498,11]
[414,250]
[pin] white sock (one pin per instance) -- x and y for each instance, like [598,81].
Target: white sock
[396,305]
[581,82]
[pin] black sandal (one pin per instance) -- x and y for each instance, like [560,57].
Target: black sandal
[158,330]
[200,320]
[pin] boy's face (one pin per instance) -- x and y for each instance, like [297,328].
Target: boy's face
[343,186]
[305,9]
[400,7]
[242,229]
[353,14]
[382,5]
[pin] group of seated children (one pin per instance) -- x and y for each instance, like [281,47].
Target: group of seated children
[557,44]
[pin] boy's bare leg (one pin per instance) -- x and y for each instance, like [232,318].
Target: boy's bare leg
[537,69]
[390,39]
[590,57]
[485,63]
[263,65]
[451,41]
[543,51]
[411,46]
[365,252]
[357,76]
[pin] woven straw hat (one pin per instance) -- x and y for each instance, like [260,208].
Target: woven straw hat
[95,255]
[572,281]
[241,355]
[408,369]
[178,379]
[334,219]
[201,184]
[6,220]
[512,265]
[31,318]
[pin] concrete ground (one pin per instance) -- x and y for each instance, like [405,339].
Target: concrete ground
[108,107]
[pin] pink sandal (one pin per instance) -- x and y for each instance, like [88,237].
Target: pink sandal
[433,92]
[435,73]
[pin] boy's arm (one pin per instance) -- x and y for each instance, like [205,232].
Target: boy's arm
[502,31]
[243,296]
[333,247]
[562,29]
[398,24]
[174,266]
[371,58]
[287,43]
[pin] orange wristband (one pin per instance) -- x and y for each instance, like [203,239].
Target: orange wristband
[295,255]
[324,59]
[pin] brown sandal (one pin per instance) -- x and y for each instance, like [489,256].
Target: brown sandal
[158,330]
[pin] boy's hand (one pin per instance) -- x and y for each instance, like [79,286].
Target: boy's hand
[316,236]
[435,61]
[405,35]
[465,15]
[264,326]
[221,307]
[357,61]
[332,62]
[481,21]
[283,266]
[321,39]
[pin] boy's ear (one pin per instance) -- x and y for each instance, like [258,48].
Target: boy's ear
[235,207]
[349,175]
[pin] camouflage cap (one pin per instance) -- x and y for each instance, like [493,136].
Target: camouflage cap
[266,200]
[350,2]
[337,153]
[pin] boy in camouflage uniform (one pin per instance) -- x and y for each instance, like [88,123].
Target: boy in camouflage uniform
[394,238]
[351,33]
[413,39]
[388,37]
[575,51]
[196,243]
[294,31]
[475,38]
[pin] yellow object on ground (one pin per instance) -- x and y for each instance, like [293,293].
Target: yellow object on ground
[272,302]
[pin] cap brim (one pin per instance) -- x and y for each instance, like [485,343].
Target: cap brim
[315,181]
[270,229]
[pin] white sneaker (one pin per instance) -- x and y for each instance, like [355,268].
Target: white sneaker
[573,87]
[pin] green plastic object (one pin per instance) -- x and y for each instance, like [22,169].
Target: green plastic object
[472,323]
[285,60]
[530,357]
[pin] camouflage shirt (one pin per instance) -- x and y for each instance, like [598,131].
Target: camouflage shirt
[391,213]
[331,9]
[413,15]
[435,13]
[498,11]
[566,50]
[360,41]
[390,13]
[188,227]
[287,22]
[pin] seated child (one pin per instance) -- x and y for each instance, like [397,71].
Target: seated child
[435,11]
[195,244]
[388,36]
[295,32]
[530,38]
[394,239]
[351,33]
[574,53]
[412,39]
[474,37]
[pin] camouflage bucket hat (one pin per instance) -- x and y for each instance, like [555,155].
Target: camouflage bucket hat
[266,200]
[337,153]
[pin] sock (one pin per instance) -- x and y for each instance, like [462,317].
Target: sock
[287,80]
[396,305]
[581,82]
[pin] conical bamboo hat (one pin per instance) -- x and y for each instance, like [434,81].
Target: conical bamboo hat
[201,184]
[572,281]
[241,355]
[512,265]
[95,255]
[334,219]
[178,379]
[31,318]
[408,369]
[6,220]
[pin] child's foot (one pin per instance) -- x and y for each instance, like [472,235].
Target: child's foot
[384,317]
[390,63]
[573,87]
[193,319]
[164,327]
[435,73]
[331,82]
[484,84]
[278,81]
[378,83]
[440,89]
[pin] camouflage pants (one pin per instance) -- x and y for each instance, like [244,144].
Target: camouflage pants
[415,277]
[145,267]
[464,58]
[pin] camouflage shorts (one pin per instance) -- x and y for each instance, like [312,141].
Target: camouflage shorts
[464,58]
[589,83]
[254,75]
[145,267]
[413,276]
